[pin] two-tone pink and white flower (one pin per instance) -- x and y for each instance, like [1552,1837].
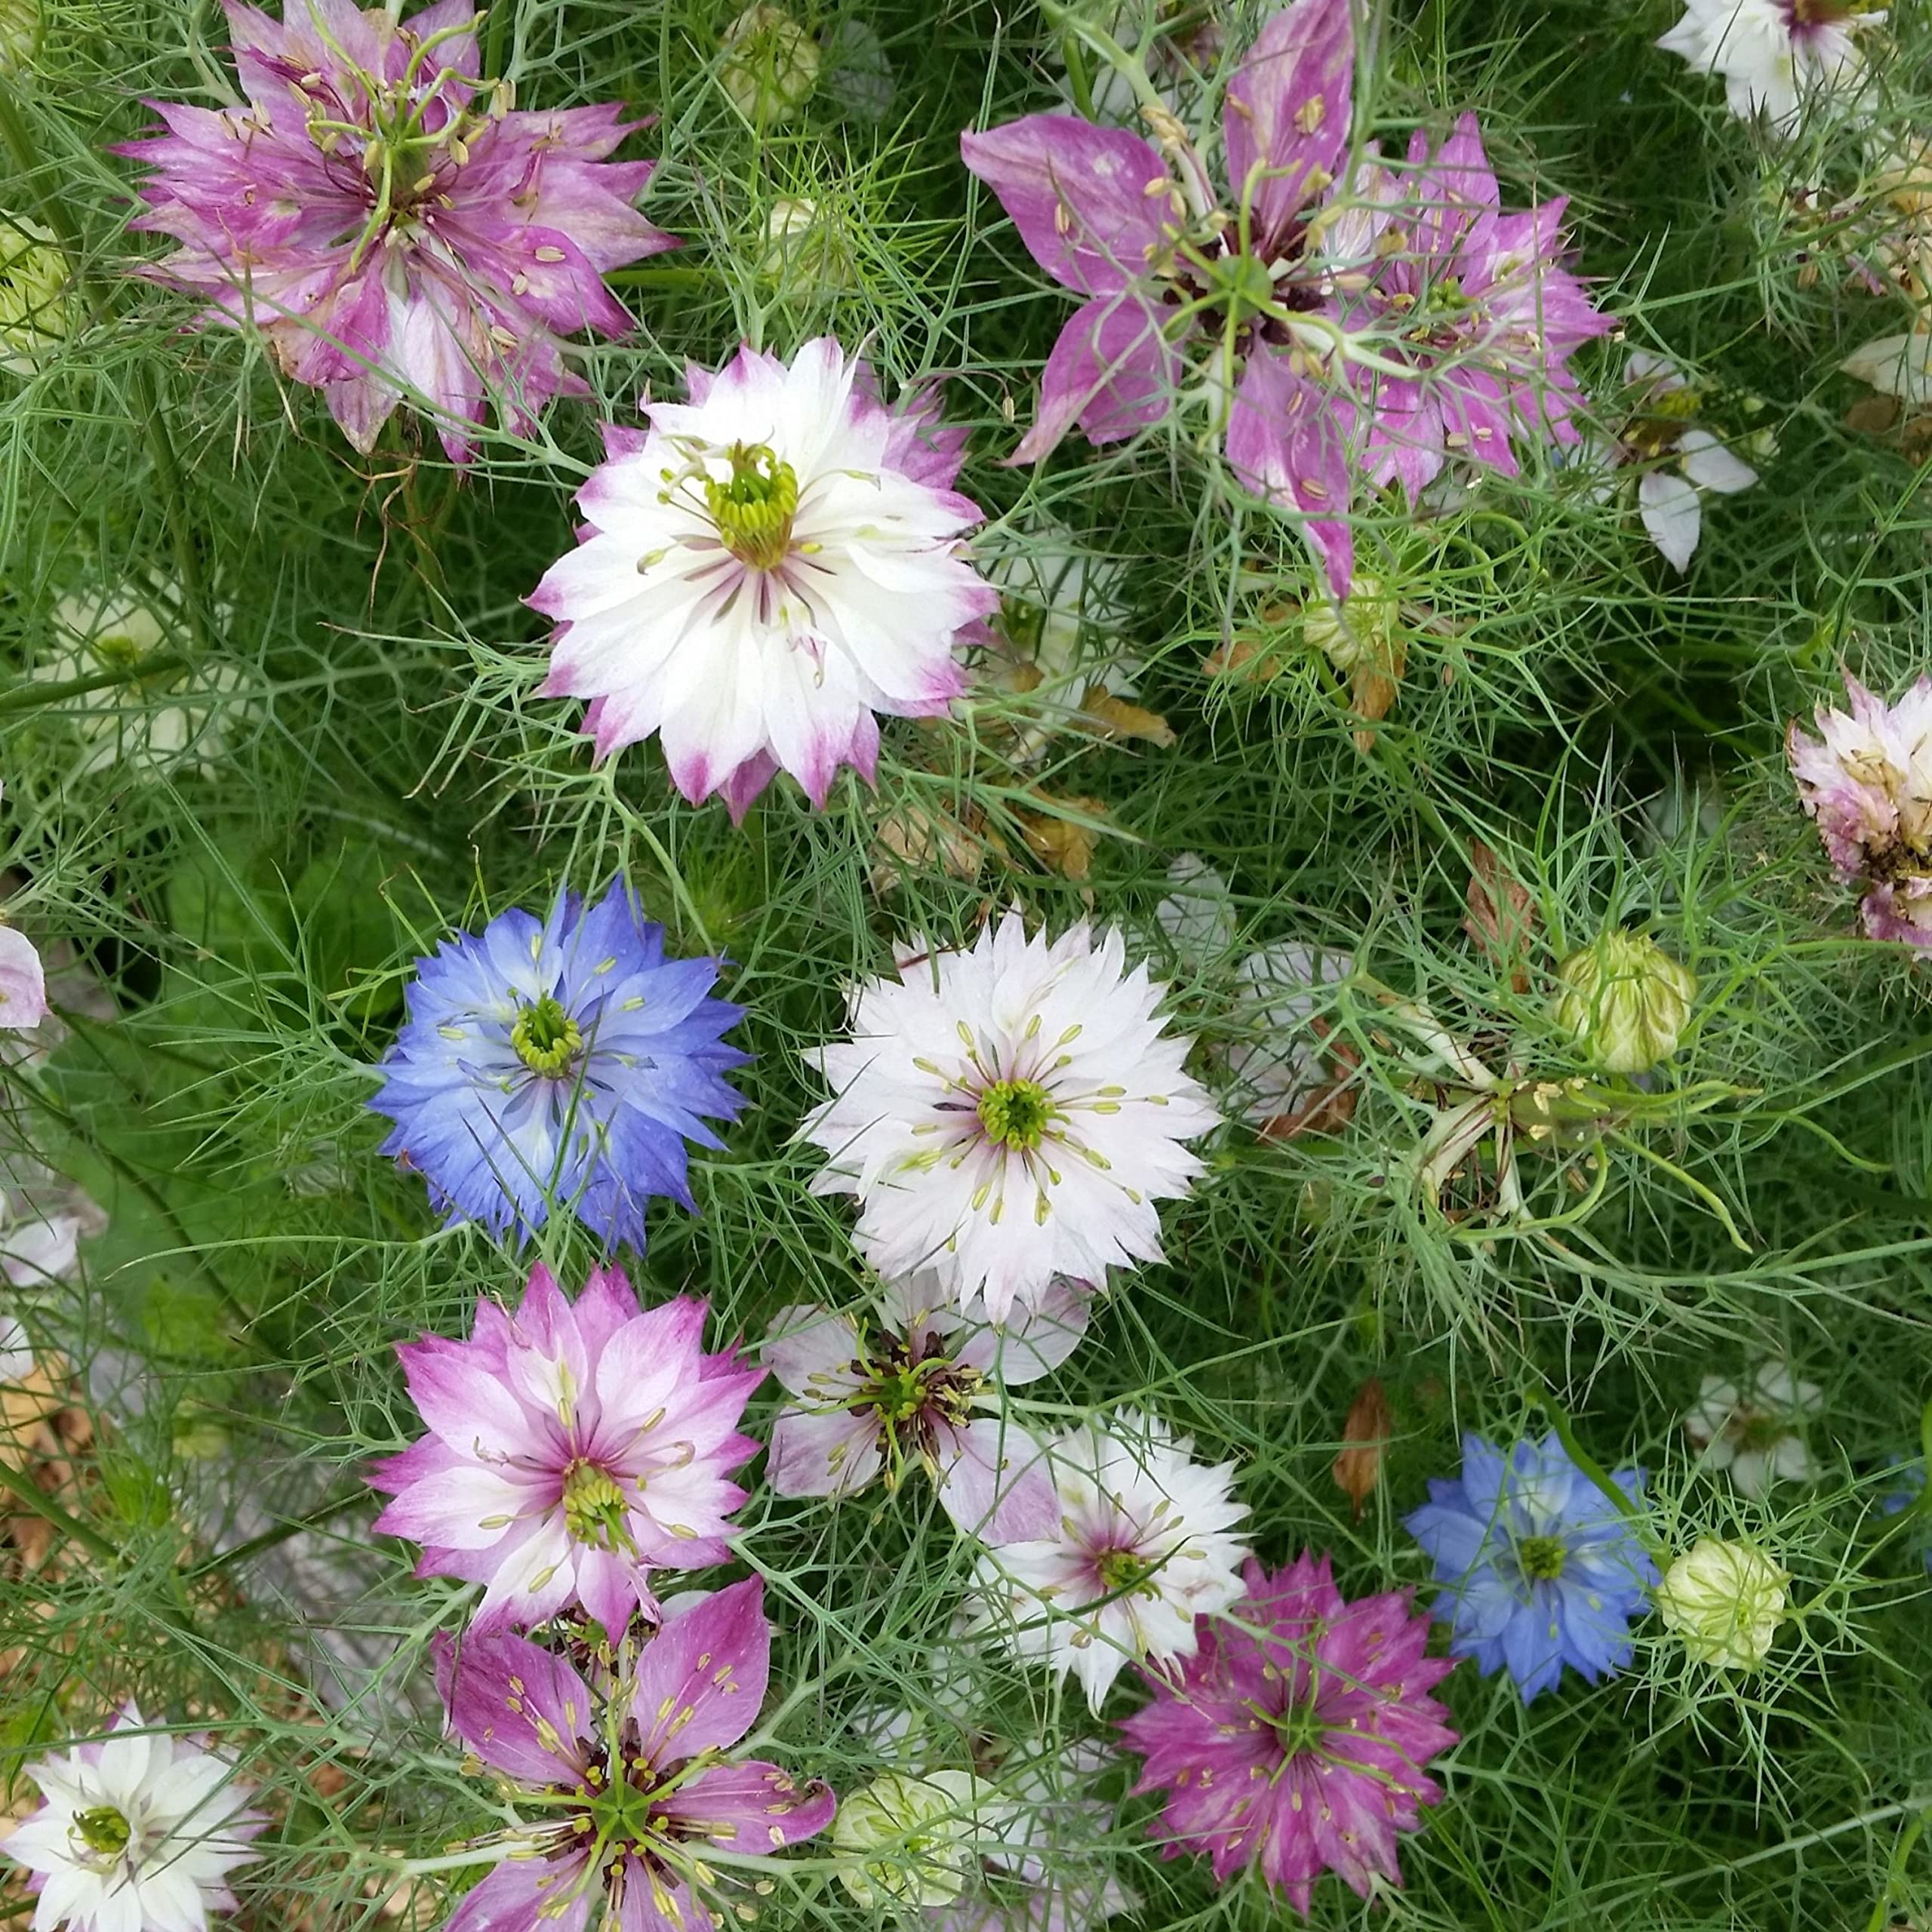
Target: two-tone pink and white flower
[1008,1115]
[1775,56]
[574,1450]
[1141,1549]
[769,568]
[920,1385]
[389,224]
[1866,779]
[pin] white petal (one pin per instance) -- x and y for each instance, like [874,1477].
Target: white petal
[1711,466]
[1668,505]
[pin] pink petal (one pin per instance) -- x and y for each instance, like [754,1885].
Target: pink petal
[1111,369]
[701,1679]
[995,1484]
[1288,438]
[1287,113]
[22,981]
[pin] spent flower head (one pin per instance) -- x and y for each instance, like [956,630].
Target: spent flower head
[1623,1001]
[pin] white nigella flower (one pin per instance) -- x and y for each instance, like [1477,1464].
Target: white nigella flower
[1684,461]
[1007,1114]
[766,567]
[168,716]
[1754,1429]
[43,1221]
[1773,54]
[136,1833]
[1197,915]
[1142,1550]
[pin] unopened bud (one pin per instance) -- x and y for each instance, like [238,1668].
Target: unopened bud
[1624,1000]
[1726,1601]
[36,299]
[925,1833]
[770,64]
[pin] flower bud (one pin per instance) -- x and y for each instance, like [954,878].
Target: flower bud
[1726,1601]
[806,251]
[770,64]
[1624,1000]
[926,1827]
[36,302]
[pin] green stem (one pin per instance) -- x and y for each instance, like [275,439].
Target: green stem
[34,695]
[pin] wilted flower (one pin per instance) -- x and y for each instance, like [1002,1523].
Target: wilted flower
[1197,915]
[1753,1430]
[160,715]
[1141,1549]
[136,1832]
[766,569]
[1008,1114]
[1294,1738]
[37,310]
[391,225]
[1867,780]
[1502,913]
[1292,1076]
[1895,365]
[922,1835]
[1541,1568]
[1726,1601]
[649,1784]
[1623,1000]
[1681,458]
[1413,324]
[1361,634]
[921,1386]
[1366,1431]
[770,64]
[560,1062]
[573,1450]
[1774,55]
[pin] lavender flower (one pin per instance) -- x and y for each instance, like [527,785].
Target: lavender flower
[916,1389]
[559,1062]
[1294,1737]
[1543,1570]
[647,1783]
[389,223]
[1378,334]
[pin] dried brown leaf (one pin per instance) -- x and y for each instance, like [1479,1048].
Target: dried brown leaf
[1365,1434]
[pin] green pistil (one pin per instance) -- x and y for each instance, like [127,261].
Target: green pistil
[754,511]
[1300,1728]
[1121,1570]
[103,1830]
[1015,1113]
[545,1037]
[1241,284]
[899,1395]
[594,1509]
[1541,1559]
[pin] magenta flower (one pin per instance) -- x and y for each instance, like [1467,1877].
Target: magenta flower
[389,223]
[1377,333]
[1295,1737]
[572,1450]
[1867,779]
[915,1390]
[635,1787]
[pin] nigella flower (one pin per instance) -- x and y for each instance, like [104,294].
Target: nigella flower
[764,571]
[1754,1430]
[22,981]
[136,1832]
[1909,1474]
[573,1450]
[560,1062]
[921,1386]
[1774,55]
[1007,1115]
[1294,1738]
[1867,779]
[629,1793]
[1141,1549]
[390,224]
[1543,1570]
[1378,335]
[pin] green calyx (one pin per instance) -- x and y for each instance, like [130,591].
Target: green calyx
[547,1040]
[754,510]
[1017,1113]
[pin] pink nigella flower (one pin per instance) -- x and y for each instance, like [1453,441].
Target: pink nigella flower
[390,224]
[1379,333]
[922,1386]
[1295,1737]
[573,1450]
[766,570]
[1867,779]
[635,1790]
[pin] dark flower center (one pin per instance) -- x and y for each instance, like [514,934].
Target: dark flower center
[103,1830]
[1015,1113]
[594,1511]
[1754,1431]
[1541,1559]
[547,1040]
[754,510]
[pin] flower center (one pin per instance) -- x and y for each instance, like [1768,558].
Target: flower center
[1541,1559]
[1805,13]
[754,510]
[1756,1431]
[594,1510]
[1301,1729]
[1241,284]
[103,1830]
[1015,1113]
[1122,1570]
[545,1037]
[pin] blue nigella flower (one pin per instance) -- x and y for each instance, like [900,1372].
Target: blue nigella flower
[1911,1476]
[1542,1569]
[562,1062]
